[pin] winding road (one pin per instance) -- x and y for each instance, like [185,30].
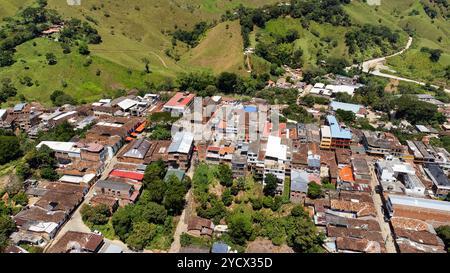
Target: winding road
[374,67]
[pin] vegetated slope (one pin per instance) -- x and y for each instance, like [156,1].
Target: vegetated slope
[317,40]
[10,7]
[410,15]
[136,29]
[371,34]
[220,50]
[72,74]
[130,30]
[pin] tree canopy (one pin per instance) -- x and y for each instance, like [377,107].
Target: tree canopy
[240,227]
[9,149]
[271,184]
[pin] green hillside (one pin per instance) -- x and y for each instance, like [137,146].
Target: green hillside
[132,30]
[308,42]
[10,7]
[220,50]
[71,73]
[137,29]
[427,32]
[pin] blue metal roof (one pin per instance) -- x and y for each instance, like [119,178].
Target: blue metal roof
[438,174]
[336,105]
[19,107]
[336,130]
[250,109]
[219,247]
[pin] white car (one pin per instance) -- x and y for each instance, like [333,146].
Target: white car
[97,232]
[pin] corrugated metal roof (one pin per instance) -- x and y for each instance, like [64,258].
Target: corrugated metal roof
[127,174]
[116,185]
[18,107]
[439,177]
[181,143]
[127,104]
[57,146]
[335,105]
[138,149]
[336,130]
[419,202]
[300,180]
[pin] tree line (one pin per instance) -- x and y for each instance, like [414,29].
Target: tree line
[325,11]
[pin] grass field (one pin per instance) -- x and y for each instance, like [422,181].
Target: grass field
[82,81]
[10,7]
[133,29]
[220,50]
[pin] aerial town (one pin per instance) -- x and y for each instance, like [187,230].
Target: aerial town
[266,127]
[363,189]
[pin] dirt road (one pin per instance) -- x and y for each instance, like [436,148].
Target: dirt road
[182,223]
[374,67]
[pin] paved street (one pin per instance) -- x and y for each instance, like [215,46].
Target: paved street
[75,222]
[385,228]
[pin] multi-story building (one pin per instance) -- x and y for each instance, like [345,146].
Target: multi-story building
[239,165]
[179,103]
[383,144]
[276,161]
[126,192]
[441,183]
[180,150]
[333,135]
[93,152]
[325,137]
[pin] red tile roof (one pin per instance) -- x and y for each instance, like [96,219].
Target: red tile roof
[180,99]
[127,174]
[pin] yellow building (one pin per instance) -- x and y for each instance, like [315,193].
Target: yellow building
[325,137]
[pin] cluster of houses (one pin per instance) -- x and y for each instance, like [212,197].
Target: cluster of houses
[81,161]
[113,153]
[52,203]
[358,163]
